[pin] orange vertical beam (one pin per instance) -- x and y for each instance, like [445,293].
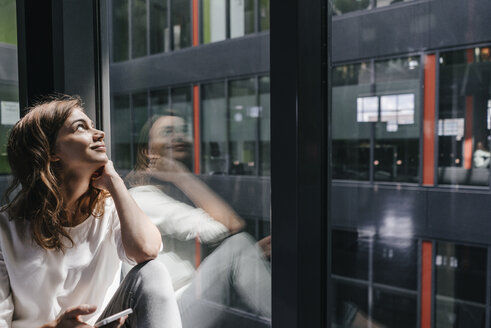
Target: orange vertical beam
[196,146]
[429,120]
[469,108]
[426,274]
[195,23]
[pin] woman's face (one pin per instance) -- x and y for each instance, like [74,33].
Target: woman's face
[79,145]
[169,138]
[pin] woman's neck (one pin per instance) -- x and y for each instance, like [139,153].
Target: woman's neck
[74,187]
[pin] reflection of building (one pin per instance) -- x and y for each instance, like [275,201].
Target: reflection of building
[397,210]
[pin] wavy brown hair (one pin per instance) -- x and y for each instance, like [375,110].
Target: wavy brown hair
[39,199]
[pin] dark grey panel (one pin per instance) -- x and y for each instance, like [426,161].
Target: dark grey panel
[249,196]
[384,209]
[411,27]
[460,215]
[457,22]
[393,30]
[242,56]
[8,58]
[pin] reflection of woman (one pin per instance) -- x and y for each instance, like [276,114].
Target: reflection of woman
[481,156]
[237,266]
[64,234]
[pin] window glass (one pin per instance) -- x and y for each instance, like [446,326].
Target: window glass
[397,86]
[265,123]
[352,104]
[190,134]
[264,15]
[8,22]
[384,3]
[243,118]
[122,150]
[138,28]
[159,26]
[463,128]
[181,23]
[214,151]
[9,87]
[120,30]
[159,102]
[460,285]
[214,25]
[346,6]
[241,17]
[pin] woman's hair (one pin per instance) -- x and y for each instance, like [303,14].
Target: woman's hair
[40,201]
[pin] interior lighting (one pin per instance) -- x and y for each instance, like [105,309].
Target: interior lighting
[376,162]
[399,162]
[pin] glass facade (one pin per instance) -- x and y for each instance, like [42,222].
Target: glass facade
[200,145]
[9,90]
[376,113]
[464,117]
[410,168]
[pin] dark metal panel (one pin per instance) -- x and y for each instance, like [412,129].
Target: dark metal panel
[457,22]
[298,163]
[8,58]
[460,216]
[248,55]
[377,207]
[248,196]
[394,30]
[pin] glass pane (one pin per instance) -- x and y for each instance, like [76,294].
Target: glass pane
[241,17]
[214,151]
[353,106]
[120,128]
[213,21]
[263,15]
[159,102]
[265,123]
[186,128]
[120,30]
[138,28]
[181,23]
[460,285]
[159,26]
[244,114]
[346,6]
[396,154]
[464,131]
[8,22]
[383,3]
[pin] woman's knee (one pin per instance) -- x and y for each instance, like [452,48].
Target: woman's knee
[152,278]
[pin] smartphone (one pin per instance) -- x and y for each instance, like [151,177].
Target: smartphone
[112,318]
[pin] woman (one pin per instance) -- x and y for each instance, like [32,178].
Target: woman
[237,268]
[65,232]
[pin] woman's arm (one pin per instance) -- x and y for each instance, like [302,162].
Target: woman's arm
[198,192]
[141,238]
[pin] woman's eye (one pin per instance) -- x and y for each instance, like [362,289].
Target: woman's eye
[80,127]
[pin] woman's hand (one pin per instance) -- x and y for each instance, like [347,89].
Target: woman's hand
[104,177]
[71,318]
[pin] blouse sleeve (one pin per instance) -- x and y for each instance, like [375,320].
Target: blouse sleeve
[176,219]
[6,302]
[116,233]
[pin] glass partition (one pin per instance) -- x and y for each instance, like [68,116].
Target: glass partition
[190,135]
[9,89]
[410,144]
